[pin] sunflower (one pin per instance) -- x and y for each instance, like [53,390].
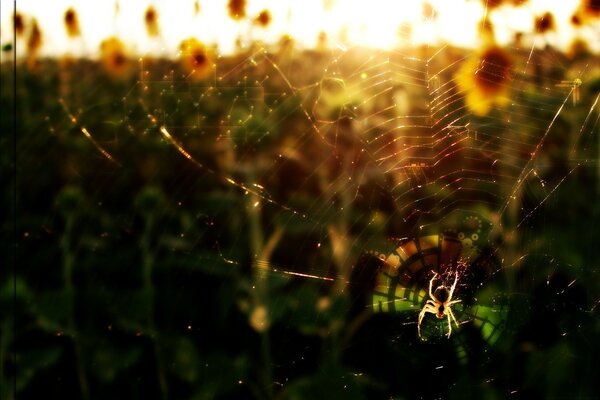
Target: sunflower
[485,79]
[18,24]
[591,8]
[588,11]
[151,19]
[545,23]
[263,18]
[578,49]
[322,40]
[195,58]
[114,57]
[428,11]
[34,43]
[491,4]
[237,9]
[72,23]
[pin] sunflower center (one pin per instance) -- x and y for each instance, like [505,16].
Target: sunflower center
[237,9]
[494,70]
[150,16]
[19,24]
[119,59]
[70,17]
[264,18]
[544,23]
[199,59]
[593,5]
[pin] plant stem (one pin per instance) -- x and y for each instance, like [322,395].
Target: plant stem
[261,255]
[4,343]
[68,263]
[147,267]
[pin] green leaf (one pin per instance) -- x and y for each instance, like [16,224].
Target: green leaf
[332,381]
[183,358]
[53,309]
[110,361]
[150,200]
[219,375]
[31,361]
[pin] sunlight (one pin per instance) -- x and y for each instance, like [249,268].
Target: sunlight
[382,24]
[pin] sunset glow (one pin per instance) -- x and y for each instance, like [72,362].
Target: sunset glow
[382,24]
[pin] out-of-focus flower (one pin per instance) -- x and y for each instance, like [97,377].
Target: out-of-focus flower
[151,20]
[588,11]
[18,23]
[259,319]
[237,9]
[196,7]
[491,4]
[545,23]
[66,61]
[286,42]
[428,11]
[518,39]
[34,43]
[114,57]
[263,18]
[323,304]
[591,8]
[322,40]
[578,49]
[196,58]
[485,79]
[72,23]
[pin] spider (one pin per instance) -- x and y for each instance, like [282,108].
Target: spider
[439,304]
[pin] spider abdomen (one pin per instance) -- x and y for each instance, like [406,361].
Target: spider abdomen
[441,294]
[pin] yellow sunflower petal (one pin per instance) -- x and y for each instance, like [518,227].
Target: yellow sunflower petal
[196,58]
[114,57]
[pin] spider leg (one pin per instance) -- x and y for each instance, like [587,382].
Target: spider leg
[449,326]
[453,285]
[427,309]
[451,314]
[431,285]
[453,302]
[421,315]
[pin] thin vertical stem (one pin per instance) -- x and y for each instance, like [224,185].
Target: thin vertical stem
[68,263]
[4,344]
[261,255]
[147,267]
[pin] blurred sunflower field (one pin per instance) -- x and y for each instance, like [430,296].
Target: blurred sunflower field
[267,223]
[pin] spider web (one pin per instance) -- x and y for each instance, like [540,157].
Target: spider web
[333,154]
[390,133]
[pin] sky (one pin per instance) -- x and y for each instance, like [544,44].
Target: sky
[374,23]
